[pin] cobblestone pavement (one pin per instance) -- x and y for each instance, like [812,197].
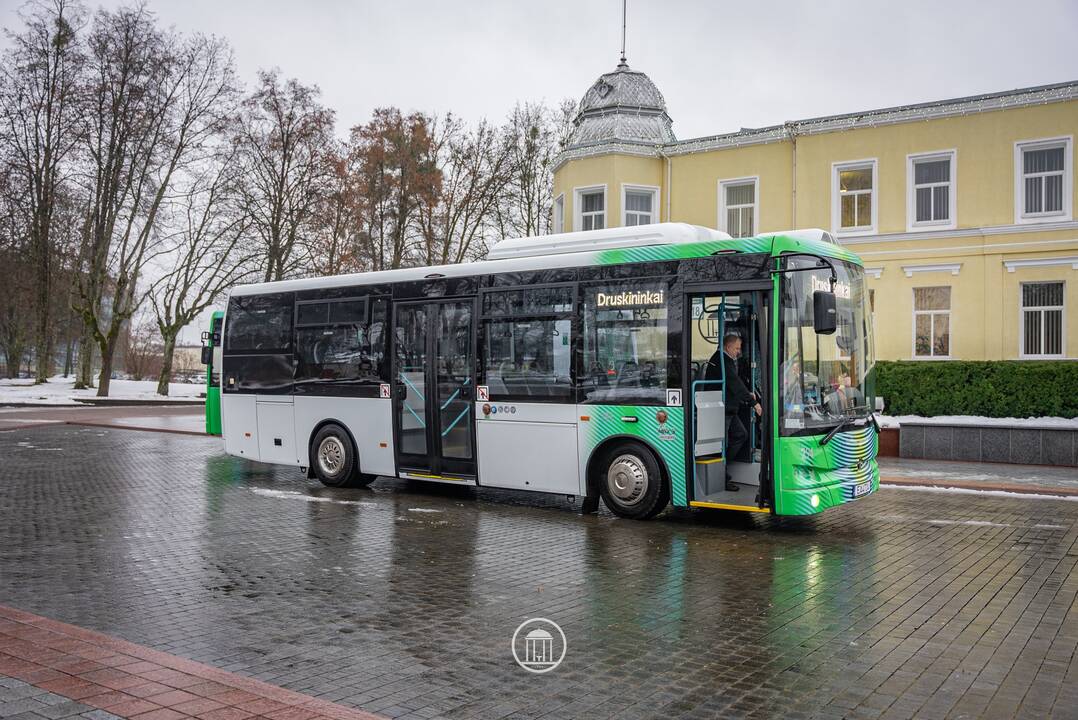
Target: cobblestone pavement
[23,701]
[401,599]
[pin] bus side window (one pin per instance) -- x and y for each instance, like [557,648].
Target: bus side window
[336,341]
[527,348]
[625,342]
[258,344]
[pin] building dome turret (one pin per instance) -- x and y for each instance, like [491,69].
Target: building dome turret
[622,106]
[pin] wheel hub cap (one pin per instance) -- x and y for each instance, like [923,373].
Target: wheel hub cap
[627,479]
[331,456]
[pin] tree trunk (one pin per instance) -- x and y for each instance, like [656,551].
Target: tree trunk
[84,367]
[42,349]
[166,365]
[68,352]
[104,378]
[43,276]
[14,356]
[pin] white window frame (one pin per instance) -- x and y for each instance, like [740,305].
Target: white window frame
[1022,321]
[723,184]
[1020,215]
[559,214]
[578,204]
[949,312]
[836,202]
[653,189]
[911,191]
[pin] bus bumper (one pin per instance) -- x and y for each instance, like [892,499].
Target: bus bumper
[828,488]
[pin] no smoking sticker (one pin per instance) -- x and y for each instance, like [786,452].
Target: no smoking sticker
[482,393]
[384,392]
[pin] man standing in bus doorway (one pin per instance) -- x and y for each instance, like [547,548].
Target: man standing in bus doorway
[738,395]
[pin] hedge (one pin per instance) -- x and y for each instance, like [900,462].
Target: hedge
[1038,388]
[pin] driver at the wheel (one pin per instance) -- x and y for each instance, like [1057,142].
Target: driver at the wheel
[737,396]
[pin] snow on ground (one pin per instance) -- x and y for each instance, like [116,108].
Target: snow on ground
[61,391]
[889,421]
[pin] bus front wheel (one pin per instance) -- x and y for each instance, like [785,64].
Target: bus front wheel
[334,460]
[631,483]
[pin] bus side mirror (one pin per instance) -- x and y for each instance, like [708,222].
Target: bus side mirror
[824,315]
[207,355]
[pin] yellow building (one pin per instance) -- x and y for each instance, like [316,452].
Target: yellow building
[962,209]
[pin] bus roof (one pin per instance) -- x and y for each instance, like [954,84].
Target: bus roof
[611,246]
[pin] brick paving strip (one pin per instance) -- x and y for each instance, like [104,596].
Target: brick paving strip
[132,681]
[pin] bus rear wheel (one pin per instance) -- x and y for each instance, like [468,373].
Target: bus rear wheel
[334,459]
[631,483]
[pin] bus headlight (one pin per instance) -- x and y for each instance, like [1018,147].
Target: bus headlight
[815,500]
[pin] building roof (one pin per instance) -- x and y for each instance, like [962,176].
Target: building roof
[623,105]
[1021,97]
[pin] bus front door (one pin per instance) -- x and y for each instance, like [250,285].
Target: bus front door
[729,447]
[434,364]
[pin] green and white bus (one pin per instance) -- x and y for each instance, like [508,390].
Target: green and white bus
[582,364]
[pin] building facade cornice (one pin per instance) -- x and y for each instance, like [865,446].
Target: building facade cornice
[1024,97]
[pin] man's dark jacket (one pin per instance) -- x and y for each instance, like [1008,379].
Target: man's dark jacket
[737,394]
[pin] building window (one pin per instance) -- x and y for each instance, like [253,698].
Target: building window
[932,322]
[559,214]
[738,206]
[1042,319]
[1043,180]
[591,208]
[854,197]
[932,190]
[638,205]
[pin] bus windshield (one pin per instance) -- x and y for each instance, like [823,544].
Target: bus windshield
[826,380]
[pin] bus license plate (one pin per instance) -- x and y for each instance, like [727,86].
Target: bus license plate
[862,489]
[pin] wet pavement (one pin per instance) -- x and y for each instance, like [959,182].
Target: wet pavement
[401,599]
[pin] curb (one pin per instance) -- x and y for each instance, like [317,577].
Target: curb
[121,402]
[114,426]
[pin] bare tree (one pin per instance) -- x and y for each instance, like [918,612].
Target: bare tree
[16,313]
[141,348]
[285,136]
[38,82]
[538,133]
[476,168]
[155,101]
[211,252]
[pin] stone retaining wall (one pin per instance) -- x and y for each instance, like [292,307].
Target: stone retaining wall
[1022,444]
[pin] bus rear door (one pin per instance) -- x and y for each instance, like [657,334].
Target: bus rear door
[434,368]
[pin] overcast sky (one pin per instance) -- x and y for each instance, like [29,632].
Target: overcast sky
[721,65]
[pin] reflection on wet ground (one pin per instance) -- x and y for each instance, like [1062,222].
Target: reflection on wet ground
[402,598]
